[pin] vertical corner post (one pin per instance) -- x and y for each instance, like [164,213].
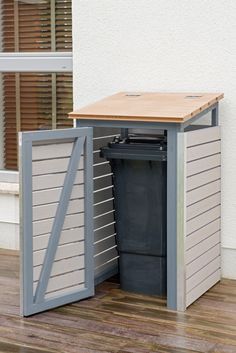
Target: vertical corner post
[26,228]
[176,292]
[89,213]
[124,133]
[215,115]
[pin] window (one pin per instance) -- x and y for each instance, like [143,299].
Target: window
[36,64]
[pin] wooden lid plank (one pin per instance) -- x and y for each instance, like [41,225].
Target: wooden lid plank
[153,107]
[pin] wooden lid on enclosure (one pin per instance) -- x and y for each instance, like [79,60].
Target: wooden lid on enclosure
[153,107]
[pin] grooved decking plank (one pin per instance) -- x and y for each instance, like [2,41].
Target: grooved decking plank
[114,321]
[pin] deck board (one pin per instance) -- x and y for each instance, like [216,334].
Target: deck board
[116,321]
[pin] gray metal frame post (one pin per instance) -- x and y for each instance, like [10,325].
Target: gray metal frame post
[172,218]
[215,116]
[124,133]
[175,219]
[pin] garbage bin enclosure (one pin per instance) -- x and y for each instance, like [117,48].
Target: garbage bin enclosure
[66,199]
[139,177]
[193,179]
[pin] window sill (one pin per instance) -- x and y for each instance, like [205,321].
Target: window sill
[9,182]
[9,188]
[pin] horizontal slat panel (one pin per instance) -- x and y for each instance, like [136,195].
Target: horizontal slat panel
[203,192]
[65,291]
[101,142]
[197,137]
[101,169]
[105,131]
[102,182]
[201,275]
[67,236]
[105,256]
[204,150]
[49,211]
[202,260]
[104,232]
[62,266]
[45,226]
[68,279]
[202,247]
[97,158]
[63,251]
[48,181]
[53,195]
[102,195]
[203,205]
[203,287]
[51,151]
[200,179]
[103,207]
[53,166]
[106,267]
[107,243]
[203,219]
[200,165]
[202,234]
[104,185]
[103,220]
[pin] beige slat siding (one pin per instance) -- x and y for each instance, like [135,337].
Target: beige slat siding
[68,290]
[202,260]
[49,210]
[58,165]
[203,178]
[104,232]
[200,165]
[206,284]
[67,236]
[104,257]
[202,206]
[67,264]
[202,233]
[60,282]
[50,163]
[54,180]
[203,211]
[105,253]
[63,251]
[52,151]
[45,226]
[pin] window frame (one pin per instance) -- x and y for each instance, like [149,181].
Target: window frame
[36,62]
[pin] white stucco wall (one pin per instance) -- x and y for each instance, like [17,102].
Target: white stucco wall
[9,215]
[164,45]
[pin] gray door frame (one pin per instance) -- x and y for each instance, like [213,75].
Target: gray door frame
[83,141]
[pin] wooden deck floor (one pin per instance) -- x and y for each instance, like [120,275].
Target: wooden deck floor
[116,321]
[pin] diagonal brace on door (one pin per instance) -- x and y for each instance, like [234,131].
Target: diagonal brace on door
[59,219]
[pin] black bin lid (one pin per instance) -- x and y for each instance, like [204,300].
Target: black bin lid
[136,148]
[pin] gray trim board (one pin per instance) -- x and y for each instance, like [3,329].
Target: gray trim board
[26,244]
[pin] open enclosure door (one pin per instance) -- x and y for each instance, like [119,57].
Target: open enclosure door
[57,264]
